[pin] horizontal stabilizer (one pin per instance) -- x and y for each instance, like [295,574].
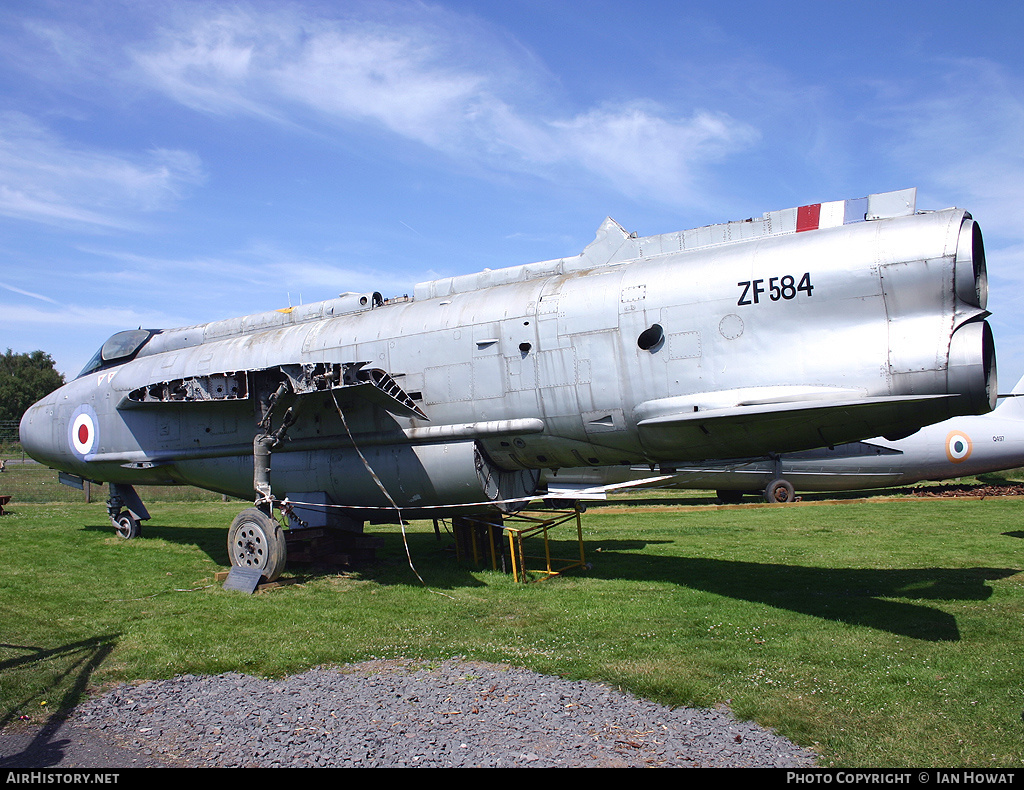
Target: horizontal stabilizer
[585,491]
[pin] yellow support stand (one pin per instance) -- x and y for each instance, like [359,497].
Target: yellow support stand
[477,537]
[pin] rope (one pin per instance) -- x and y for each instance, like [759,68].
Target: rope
[380,485]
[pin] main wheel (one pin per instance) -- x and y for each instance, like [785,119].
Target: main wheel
[256,540]
[127,527]
[779,491]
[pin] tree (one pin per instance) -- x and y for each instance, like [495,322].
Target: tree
[24,379]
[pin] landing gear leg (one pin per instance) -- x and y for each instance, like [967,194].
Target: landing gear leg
[127,525]
[779,489]
[255,539]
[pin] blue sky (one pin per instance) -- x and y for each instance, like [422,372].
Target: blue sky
[172,163]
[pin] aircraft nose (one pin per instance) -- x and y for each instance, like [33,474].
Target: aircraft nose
[36,431]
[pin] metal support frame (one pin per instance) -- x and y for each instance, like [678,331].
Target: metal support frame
[476,537]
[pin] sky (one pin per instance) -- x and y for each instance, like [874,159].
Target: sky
[172,163]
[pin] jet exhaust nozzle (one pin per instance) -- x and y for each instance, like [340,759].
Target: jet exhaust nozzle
[970,271]
[972,366]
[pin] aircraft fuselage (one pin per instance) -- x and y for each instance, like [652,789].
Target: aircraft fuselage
[660,349]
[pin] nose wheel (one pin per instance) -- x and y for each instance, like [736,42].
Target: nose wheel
[256,540]
[126,511]
[127,527]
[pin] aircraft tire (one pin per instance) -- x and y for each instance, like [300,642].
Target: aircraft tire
[127,527]
[779,491]
[256,540]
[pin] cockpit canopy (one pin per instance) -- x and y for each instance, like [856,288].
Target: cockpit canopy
[118,349]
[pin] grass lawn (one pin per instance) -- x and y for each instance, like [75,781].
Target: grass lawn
[885,634]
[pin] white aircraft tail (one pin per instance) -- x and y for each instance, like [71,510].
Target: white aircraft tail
[1012,405]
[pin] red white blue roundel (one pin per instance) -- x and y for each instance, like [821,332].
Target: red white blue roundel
[958,446]
[83,432]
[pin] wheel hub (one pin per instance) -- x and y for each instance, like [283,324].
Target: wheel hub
[251,547]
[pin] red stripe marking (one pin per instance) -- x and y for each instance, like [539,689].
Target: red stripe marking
[807,217]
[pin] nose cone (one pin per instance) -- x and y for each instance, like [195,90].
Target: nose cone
[36,430]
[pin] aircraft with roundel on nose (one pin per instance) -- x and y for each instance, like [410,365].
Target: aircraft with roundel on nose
[807,327]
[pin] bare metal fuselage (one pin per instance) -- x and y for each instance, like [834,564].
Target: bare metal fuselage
[725,342]
[958,447]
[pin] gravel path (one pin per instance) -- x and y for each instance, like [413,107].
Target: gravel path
[415,714]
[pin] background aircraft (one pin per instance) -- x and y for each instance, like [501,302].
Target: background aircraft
[959,447]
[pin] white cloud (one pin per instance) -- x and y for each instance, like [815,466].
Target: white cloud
[209,66]
[82,318]
[643,151]
[72,333]
[234,283]
[965,136]
[44,179]
[23,292]
[431,77]
[386,77]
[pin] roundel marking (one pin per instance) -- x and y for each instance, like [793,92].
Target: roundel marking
[82,432]
[958,446]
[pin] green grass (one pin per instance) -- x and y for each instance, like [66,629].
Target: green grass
[882,634]
[27,481]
